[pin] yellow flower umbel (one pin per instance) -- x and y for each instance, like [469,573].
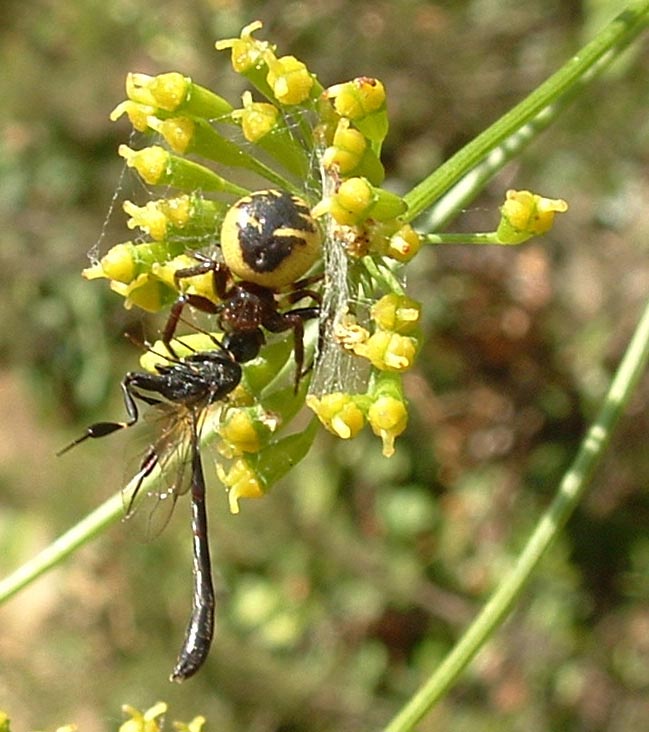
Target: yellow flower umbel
[322,147]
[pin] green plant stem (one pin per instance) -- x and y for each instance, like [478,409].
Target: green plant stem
[570,490]
[460,195]
[490,237]
[605,47]
[83,532]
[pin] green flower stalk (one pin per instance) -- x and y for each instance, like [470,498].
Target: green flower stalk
[523,215]
[158,167]
[263,124]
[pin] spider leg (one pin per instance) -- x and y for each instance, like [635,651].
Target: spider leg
[220,277]
[293,320]
[297,295]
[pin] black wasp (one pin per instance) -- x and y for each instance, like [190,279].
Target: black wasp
[180,393]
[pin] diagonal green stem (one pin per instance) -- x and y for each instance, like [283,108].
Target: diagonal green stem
[607,45]
[83,532]
[570,491]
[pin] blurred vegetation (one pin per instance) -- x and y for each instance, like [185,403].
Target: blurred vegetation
[345,587]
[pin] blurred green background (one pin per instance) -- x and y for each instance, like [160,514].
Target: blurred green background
[346,586]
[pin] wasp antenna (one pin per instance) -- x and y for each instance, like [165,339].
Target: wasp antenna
[74,443]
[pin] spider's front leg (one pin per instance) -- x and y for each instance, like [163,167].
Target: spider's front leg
[293,320]
[220,276]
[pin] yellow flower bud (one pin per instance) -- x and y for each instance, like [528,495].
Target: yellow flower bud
[525,214]
[247,52]
[178,132]
[349,205]
[396,313]
[388,351]
[151,163]
[257,118]
[177,210]
[289,79]
[357,98]
[165,271]
[138,89]
[170,90]
[165,91]
[388,418]
[338,413]
[145,291]
[357,200]
[404,244]
[355,195]
[238,429]
[117,264]
[149,218]
[138,114]
[241,482]
[346,150]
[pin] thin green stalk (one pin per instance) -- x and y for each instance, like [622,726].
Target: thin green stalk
[569,492]
[460,195]
[607,45]
[487,237]
[83,532]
